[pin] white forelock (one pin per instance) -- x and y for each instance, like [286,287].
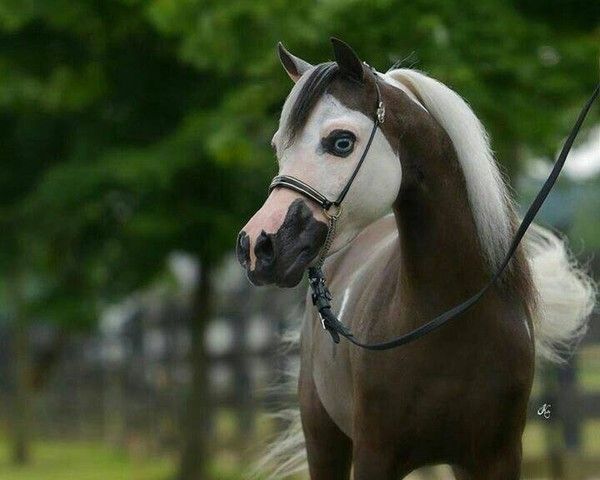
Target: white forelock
[486,189]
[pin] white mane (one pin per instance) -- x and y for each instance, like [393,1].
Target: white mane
[486,189]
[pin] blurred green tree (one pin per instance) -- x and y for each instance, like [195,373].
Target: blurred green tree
[131,128]
[107,168]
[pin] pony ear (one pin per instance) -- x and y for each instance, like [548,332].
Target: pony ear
[347,59]
[294,66]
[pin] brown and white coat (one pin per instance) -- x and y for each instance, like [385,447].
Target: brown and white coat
[422,228]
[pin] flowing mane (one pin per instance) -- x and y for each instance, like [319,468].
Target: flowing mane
[488,196]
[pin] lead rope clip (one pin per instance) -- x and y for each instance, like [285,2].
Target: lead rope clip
[321,299]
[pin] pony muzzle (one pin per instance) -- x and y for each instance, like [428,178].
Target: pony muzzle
[278,244]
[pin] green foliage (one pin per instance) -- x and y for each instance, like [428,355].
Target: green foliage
[585,229]
[131,128]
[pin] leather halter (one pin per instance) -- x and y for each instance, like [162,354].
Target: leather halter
[321,296]
[297,185]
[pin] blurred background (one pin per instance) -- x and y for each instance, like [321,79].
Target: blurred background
[134,144]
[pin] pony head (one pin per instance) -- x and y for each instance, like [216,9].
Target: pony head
[325,124]
[430,140]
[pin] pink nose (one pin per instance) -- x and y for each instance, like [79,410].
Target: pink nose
[269,219]
[281,238]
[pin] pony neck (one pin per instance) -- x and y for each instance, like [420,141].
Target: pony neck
[439,248]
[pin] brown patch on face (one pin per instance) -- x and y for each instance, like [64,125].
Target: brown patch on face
[403,120]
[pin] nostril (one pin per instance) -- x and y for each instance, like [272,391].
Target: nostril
[264,249]
[242,249]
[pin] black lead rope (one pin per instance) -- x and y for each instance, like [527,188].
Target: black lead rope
[321,297]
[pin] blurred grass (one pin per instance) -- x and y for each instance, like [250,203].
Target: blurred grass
[534,439]
[95,460]
[83,460]
[589,368]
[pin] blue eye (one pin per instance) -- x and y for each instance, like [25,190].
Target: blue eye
[339,143]
[343,145]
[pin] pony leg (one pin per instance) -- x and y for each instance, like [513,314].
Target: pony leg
[372,462]
[329,451]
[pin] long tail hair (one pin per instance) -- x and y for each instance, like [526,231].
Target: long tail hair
[285,454]
[566,295]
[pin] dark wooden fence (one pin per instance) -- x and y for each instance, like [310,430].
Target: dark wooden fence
[129,388]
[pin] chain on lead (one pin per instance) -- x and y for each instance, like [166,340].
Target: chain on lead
[330,233]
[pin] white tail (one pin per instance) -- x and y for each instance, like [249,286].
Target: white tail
[566,295]
[285,455]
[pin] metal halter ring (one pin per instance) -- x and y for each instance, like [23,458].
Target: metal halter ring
[337,211]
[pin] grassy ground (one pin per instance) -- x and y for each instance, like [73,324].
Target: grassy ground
[534,439]
[59,460]
[589,368]
[78,460]
[84,460]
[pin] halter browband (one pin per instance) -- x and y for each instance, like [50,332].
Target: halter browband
[321,296]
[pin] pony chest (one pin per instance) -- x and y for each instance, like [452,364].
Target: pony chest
[330,364]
